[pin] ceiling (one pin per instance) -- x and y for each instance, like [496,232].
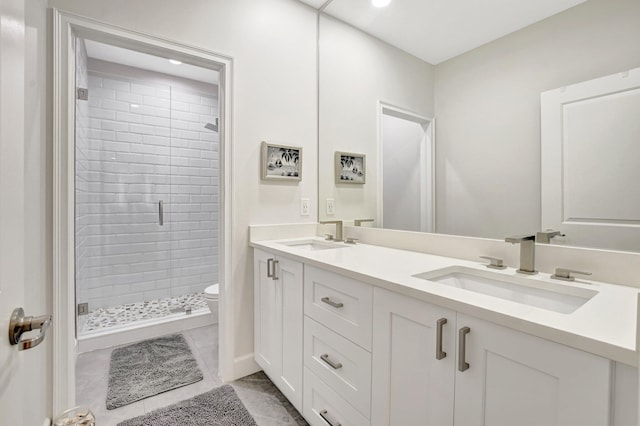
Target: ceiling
[119,55]
[437,30]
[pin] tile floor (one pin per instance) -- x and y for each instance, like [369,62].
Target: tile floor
[263,400]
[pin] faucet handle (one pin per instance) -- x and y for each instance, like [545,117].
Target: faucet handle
[328,237]
[494,262]
[350,240]
[564,274]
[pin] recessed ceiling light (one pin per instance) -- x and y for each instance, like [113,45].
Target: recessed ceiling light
[380,3]
[174,62]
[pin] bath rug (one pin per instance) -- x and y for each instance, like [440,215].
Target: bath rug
[219,407]
[148,368]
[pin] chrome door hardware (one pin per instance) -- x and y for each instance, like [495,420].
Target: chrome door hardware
[331,363]
[494,262]
[439,352]
[161,212]
[330,302]
[19,324]
[565,274]
[463,365]
[271,268]
[325,417]
[82,94]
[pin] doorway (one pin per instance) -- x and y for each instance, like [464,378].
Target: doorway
[406,156]
[102,165]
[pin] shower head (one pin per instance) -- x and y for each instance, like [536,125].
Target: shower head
[211,126]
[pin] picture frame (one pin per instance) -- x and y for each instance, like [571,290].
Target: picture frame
[281,162]
[350,168]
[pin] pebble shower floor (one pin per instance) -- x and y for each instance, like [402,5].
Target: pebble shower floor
[104,318]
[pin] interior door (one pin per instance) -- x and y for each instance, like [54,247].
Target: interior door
[16,380]
[590,152]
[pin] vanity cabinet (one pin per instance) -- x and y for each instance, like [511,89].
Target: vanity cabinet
[278,322]
[490,375]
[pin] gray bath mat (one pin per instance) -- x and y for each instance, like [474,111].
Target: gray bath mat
[148,368]
[219,407]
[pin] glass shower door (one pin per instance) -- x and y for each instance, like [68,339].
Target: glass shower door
[123,188]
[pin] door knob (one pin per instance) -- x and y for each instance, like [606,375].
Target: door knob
[19,324]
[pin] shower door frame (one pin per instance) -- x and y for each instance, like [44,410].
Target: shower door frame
[66,27]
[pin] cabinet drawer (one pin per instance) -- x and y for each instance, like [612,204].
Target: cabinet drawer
[323,407]
[340,363]
[339,303]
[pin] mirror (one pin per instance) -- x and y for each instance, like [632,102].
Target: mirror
[475,117]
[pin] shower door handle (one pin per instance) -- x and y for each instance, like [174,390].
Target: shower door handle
[161,212]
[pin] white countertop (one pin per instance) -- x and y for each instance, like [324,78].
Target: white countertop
[605,325]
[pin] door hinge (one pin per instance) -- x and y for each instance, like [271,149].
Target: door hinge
[83,308]
[82,94]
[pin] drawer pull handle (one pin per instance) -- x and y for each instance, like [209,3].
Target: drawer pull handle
[326,418]
[332,303]
[463,365]
[332,364]
[439,352]
[273,274]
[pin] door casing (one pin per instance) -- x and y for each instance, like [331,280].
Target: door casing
[66,27]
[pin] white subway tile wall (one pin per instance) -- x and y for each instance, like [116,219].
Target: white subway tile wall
[145,143]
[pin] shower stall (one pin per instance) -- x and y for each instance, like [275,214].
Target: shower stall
[147,191]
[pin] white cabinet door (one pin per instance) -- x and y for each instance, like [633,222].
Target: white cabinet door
[278,322]
[289,274]
[267,315]
[410,385]
[518,379]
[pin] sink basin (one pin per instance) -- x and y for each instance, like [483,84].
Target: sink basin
[313,245]
[555,297]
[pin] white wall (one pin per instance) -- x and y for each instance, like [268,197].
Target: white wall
[357,71]
[272,44]
[402,173]
[487,104]
[141,140]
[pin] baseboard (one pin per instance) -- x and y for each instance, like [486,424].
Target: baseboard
[244,365]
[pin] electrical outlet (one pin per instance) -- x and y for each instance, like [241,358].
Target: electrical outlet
[330,206]
[304,206]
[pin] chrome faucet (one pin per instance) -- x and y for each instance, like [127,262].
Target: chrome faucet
[338,224]
[527,253]
[546,236]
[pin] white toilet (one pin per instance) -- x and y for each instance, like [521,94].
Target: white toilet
[211,296]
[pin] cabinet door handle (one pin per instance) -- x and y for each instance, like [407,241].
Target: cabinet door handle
[439,352]
[330,302]
[463,365]
[273,274]
[332,364]
[269,268]
[325,417]
[161,212]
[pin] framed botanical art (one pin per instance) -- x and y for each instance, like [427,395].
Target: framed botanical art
[281,162]
[350,167]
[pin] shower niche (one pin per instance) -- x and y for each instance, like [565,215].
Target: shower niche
[146,187]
